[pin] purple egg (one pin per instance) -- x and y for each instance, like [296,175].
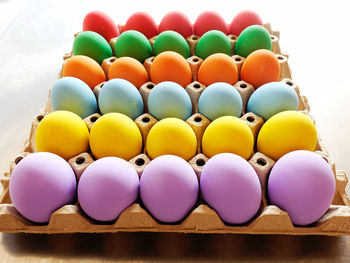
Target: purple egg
[230,185]
[40,184]
[302,183]
[107,187]
[169,188]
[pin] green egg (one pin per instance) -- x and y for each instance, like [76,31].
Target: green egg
[171,41]
[133,44]
[252,38]
[212,42]
[92,45]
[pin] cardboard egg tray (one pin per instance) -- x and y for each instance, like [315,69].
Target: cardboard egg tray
[202,219]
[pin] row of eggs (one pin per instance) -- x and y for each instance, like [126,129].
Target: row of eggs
[43,182]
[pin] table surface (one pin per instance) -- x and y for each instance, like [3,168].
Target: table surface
[35,34]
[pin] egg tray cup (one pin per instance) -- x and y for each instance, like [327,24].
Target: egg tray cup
[202,219]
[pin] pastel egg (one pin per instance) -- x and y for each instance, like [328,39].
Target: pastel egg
[230,185]
[107,187]
[115,134]
[212,42]
[143,23]
[72,94]
[285,132]
[176,21]
[40,184]
[220,99]
[302,184]
[63,133]
[171,41]
[92,45]
[242,20]
[171,66]
[228,134]
[171,136]
[252,38]
[129,69]
[119,95]
[169,99]
[218,68]
[100,23]
[85,69]
[260,67]
[133,44]
[209,20]
[272,98]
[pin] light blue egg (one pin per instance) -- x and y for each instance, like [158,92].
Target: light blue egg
[119,95]
[73,95]
[220,99]
[169,99]
[272,98]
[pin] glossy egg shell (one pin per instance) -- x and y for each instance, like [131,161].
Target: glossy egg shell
[212,42]
[176,21]
[100,23]
[171,41]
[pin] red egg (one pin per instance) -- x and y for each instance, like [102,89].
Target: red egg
[100,23]
[244,19]
[209,20]
[143,23]
[176,21]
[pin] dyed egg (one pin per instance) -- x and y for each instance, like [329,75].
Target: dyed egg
[169,188]
[63,133]
[176,21]
[228,134]
[302,184]
[260,67]
[171,66]
[72,94]
[220,99]
[242,20]
[107,187]
[230,185]
[209,20]
[272,98]
[252,38]
[129,69]
[92,45]
[143,23]
[115,134]
[133,44]
[40,184]
[169,99]
[171,136]
[218,68]
[171,41]
[285,132]
[100,23]
[213,42]
[119,95]
[85,69]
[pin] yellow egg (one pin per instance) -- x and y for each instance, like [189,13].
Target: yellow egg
[115,134]
[228,134]
[171,136]
[63,133]
[286,132]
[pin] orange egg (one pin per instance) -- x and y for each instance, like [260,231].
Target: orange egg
[171,66]
[260,67]
[85,69]
[218,68]
[129,69]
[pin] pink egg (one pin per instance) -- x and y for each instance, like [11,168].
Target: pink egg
[143,23]
[209,20]
[100,23]
[176,21]
[244,19]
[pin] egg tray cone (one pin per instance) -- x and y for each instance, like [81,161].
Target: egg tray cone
[202,219]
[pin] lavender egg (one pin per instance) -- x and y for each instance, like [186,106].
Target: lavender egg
[230,185]
[303,184]
[169,188]
[107,187]
[40,184]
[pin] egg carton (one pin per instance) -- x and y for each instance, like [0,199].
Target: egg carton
[202,219]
